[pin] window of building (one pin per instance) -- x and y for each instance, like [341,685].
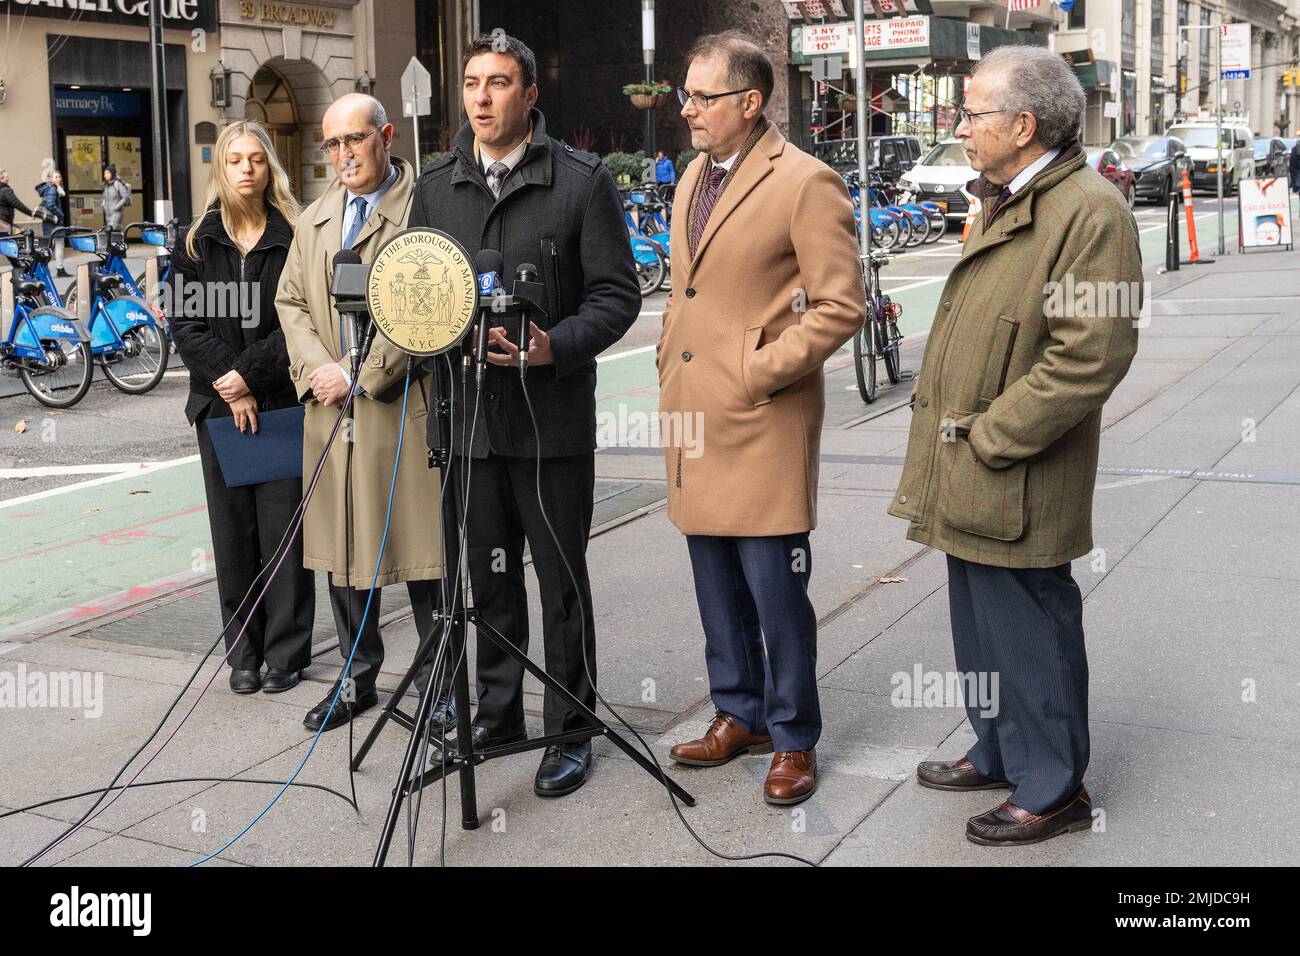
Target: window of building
[1203,49]
[1128,33]
[1078,15]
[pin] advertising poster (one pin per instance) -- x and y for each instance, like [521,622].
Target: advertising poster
[1264,213]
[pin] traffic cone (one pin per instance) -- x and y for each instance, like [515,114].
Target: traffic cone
[972,211]
[1191,220]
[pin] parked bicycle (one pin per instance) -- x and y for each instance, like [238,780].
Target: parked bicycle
[648,256]
[879,337]
[888,228]
[43,342]
[130,340]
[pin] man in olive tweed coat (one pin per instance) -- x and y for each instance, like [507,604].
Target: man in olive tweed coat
[1036,327]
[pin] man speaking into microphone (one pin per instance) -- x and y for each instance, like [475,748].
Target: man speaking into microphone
[507,186]
[366,205]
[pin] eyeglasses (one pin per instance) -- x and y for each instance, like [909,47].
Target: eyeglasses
[351,141]
[966,116]
[702,101]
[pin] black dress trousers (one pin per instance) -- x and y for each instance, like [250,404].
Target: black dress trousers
[248,524]
[349,605]
[502,515]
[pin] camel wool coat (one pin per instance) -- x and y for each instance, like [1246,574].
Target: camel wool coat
[774,290]
[311,334]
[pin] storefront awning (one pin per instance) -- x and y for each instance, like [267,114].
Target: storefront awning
[907,40]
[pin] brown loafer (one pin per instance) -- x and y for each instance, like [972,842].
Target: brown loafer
[1009,825]
[955,775]
[792,778]
[725,739]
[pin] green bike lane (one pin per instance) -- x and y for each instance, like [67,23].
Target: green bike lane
[98,546]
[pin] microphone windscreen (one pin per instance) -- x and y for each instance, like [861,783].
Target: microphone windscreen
[527,272]
[346,257]
[489,260]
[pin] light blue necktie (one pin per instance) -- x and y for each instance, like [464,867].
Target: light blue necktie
[359,217]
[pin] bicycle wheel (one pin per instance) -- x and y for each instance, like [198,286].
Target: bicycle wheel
[650,270]
[889,338]
[886,236]
[140,366]
[65,379]
[904,231]
[864,356]
[920,233]
[938,226]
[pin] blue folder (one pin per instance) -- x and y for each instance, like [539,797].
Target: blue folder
[274,453]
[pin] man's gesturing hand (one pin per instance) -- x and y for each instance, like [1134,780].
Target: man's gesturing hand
[539,347]
[329,384]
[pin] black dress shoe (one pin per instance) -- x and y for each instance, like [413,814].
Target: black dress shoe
[277,681]
[344,710]
[563,770]
[245,680]
[481,738]
[1010,825]
[444,715]
[955,775]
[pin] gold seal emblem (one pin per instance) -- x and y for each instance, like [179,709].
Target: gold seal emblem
[422,291]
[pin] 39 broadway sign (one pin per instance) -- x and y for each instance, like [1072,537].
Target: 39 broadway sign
[176,13]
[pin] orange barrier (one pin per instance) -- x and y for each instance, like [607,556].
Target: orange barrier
[1191,220]
[972,211]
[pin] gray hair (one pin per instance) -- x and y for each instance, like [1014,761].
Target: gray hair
[378,115]
[1038,81]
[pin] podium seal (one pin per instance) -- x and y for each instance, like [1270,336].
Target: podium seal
[422,291]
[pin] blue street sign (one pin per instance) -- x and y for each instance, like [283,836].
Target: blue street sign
[1236,74]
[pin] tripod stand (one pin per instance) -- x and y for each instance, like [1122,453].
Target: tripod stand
[455,620]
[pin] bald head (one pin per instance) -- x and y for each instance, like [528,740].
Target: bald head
[362,165]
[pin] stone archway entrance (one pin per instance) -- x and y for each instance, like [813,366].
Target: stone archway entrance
[270,102]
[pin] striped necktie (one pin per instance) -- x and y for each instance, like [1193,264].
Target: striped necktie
[707,198]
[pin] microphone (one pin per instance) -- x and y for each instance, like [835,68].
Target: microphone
[529,293]
[348,288]
[488,265]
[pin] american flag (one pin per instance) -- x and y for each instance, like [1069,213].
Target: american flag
[1016,5]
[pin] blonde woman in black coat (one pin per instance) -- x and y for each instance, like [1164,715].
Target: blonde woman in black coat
[239,368]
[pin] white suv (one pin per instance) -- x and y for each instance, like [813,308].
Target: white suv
[1238,154]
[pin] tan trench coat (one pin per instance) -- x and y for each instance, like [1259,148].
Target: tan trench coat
[1034,330]
[773,291]
[311,332]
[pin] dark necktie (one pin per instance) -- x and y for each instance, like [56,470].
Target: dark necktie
[708,197]
[998,202]
[495,175]
[358,220]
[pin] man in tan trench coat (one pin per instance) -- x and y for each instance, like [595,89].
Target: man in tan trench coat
[767,286]
[1035,328]
[365,206]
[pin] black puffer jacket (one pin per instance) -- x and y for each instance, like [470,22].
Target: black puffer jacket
[213,339]
[560,210]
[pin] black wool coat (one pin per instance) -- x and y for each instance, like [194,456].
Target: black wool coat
[559,210]
[212,338]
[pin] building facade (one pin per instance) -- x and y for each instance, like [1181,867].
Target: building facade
[1162,60]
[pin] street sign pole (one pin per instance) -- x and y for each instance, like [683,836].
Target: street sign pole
[1218,131]
[864,107]
[162,188]
[417,95]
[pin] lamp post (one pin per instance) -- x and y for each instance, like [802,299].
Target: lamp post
[648,58]
[864,107]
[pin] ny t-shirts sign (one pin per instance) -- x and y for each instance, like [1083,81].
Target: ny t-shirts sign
[177,14]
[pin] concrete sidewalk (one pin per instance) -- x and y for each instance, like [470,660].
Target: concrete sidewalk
[1190,609]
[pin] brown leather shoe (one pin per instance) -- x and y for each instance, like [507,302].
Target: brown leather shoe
[792,778]
[724,739]
[1009,825]
[955,775]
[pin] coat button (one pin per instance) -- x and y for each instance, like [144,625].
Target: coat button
[947,306]
[925,402]
[687,356]
[690,293]
[902,499]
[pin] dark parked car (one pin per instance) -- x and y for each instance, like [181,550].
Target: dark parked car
[1157,163]
[1271,159]
[1107,162]
[891,156]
